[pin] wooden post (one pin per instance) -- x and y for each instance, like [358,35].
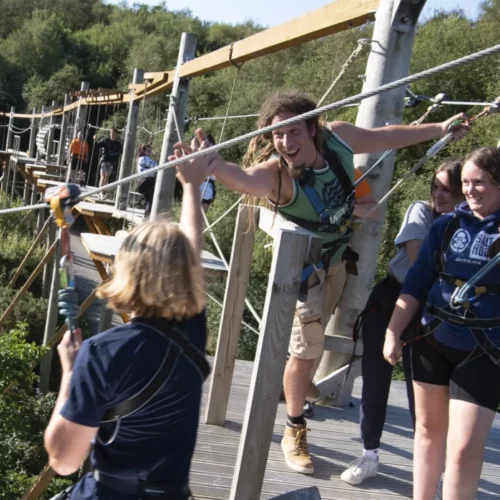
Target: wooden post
[80,112]
[52,313]
[13,164]
[389,60]
[50,138]
[40,144]
[32,143]
[232,316]
[129,154]
[40,219]
[64,132]
[47,270]
[10,133]
[165,180]
[79,124]
[290,254]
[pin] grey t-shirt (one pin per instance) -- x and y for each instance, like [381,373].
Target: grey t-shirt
[416,225]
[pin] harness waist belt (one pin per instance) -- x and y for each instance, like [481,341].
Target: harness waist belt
[144,489]
[493,288]
[460,321]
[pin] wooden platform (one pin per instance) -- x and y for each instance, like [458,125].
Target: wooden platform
[334,441]
[104,249]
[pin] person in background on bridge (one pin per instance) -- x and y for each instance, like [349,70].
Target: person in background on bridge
[78,157]
[446,193]
[146,454]
[306,172]
[111,150]
[456,363]
[146,185]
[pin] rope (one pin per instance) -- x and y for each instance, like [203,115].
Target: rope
[224,214]
[388,152]
[310,114]
[196,119]
[361,45]
[213,299]
[214,239]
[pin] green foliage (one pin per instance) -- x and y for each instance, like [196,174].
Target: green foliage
[23,416]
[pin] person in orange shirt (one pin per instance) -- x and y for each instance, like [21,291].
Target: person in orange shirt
[78,155]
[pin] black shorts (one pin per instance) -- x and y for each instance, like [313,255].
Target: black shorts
[471,376]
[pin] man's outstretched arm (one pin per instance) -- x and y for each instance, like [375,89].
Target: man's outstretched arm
[374,140]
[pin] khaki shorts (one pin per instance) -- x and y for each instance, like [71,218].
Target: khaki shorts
[311,317]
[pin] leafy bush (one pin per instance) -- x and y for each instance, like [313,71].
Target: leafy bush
[24,414]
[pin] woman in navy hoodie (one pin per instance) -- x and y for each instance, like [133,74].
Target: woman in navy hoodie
[457,385]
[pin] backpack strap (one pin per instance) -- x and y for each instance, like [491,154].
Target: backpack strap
[179,346]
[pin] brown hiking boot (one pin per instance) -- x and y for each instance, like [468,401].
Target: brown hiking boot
[294,446]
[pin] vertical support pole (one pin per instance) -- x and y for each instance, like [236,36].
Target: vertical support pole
[165,180]
[47,270]
[79,124]
[64,132]
[388,61]
[50,138]
[80,114]
[232,316]
[31,147]
[10,133]
[40,143]
[129,154]
[282,292]
[52,314]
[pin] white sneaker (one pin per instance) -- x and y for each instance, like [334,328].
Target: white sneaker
[360,470]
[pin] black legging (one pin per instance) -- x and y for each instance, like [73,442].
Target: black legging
[147,189]
[375,370]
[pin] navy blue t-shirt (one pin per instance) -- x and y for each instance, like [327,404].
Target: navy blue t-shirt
[465,256]
[156,443]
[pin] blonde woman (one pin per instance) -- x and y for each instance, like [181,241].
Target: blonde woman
[134,391]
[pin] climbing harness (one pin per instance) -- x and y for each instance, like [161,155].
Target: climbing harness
[179,345]
[61,200]
[461,300]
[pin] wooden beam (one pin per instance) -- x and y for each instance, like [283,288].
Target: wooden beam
[334,383]
[232,316]
[273,224]
[332,18]
[342,345]
[260,414]
[41,484]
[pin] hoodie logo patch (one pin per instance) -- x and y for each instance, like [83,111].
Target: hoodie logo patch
[460,241]
[481,245]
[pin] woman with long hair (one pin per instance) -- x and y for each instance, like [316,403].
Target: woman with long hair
[445,193]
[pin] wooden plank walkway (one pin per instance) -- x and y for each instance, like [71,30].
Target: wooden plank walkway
[333,440]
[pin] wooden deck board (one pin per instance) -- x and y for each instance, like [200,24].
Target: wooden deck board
[334,442]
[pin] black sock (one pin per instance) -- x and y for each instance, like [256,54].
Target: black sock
[296,420]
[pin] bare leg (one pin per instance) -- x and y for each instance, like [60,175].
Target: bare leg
[296,381]
[431,408]
[469,428]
